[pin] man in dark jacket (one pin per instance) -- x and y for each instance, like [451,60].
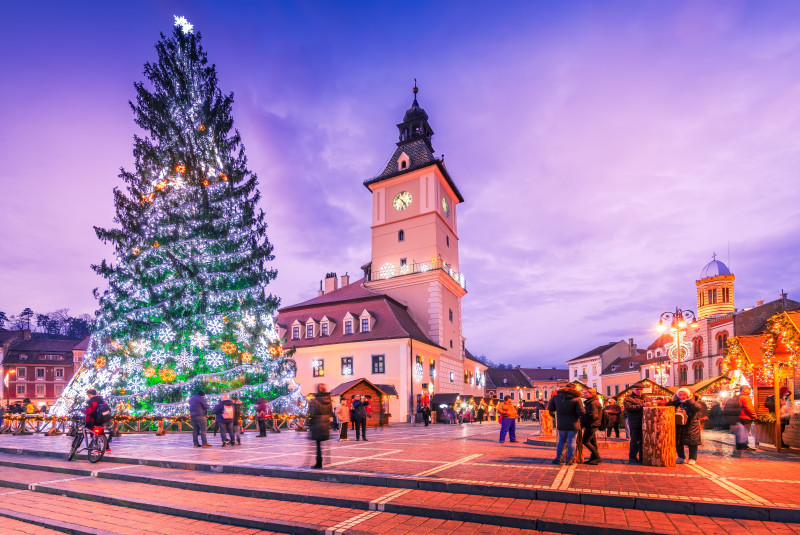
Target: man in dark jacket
[591,422]
[95,400]
[785,409]
[360,417]
[320,412]
[634,409]
[567,408]
[198,411]
[225,412]
[614,413]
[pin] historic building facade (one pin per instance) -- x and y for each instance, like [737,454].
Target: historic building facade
[588,367]
[401,323]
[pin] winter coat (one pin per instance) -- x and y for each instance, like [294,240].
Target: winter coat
[198,408]
[261,410]
[237,410]
[614,411]
[91,406]
[359,409]
[786,407]
[220,408]
[689,434]
[320,411]
[634,409]
[593,415]
[343,413]
[507,410]
[567,407]
[746,410]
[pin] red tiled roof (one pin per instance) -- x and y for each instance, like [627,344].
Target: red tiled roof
[623,364]
[391,319]
[513,378]
[661,341]
[596,351]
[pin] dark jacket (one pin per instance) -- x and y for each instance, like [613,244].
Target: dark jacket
[219,410]
[634,409]
[689,434]
[593,416]
[261,409]
[359,409]
[320,411]
[769,403]
[91,406]
[614,411]
[566,406]
[198,408]
[237,410]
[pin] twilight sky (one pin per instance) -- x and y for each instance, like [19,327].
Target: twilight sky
[605,149]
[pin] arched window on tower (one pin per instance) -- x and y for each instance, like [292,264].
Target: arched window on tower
[722,344]
[401,235]
[697,347]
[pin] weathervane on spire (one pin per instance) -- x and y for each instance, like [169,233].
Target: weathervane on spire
[415,90]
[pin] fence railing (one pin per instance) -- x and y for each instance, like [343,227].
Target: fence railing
[390,271]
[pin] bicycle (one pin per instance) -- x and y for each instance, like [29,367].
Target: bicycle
[95,439]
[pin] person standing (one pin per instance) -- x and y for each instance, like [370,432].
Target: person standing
[343,415]
[716,416]
[614,412]
[786,409]
[747,414]
[509,424]
[634,410]
[360,417]
[481,410]
[198,414]
[224,412]
[237,419]
[687,433]
[591,422]
[261,416]
[320,412]
[567,408]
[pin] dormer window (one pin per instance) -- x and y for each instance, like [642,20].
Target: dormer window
[348,327]
[324,329]
[326,326]
[364,325]
[295,332]
[403,162]
[310,330]
[367,321]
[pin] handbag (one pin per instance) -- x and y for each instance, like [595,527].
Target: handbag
[681,418]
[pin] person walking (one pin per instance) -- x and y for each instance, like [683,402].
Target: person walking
[747,414]
[786,409]
[320,412]
[198,414]
[614,412]
[634,410]
[343,415]
[567,409]
[360,417]
[261,416]
[237,419]
[509,424]
[225,412]
[688,412]
[481,411]
[716,416]
[591,422]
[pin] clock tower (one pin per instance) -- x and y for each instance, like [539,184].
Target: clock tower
[415,237]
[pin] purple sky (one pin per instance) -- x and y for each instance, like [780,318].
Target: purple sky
[604,149]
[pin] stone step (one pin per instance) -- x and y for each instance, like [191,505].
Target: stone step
[133,486]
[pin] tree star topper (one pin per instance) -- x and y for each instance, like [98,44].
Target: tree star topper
[186,26]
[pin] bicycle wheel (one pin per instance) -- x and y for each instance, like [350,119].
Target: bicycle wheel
[97,448]
[76,443]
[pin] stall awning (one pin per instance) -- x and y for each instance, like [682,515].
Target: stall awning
[386,390]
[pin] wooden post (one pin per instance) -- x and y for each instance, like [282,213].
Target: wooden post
[776,393]
[546,424]
[755,402]
[658,440]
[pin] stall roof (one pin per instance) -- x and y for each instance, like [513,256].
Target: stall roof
[386,390]
[702,386]
[655,389]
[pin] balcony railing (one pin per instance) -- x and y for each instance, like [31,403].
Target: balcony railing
[583,377]
[390,271]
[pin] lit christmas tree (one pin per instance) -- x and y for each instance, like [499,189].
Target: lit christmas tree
[186,306]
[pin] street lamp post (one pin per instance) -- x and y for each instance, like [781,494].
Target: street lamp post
[677,324]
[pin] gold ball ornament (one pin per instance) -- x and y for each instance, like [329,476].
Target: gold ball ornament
[149,372]
[167,375]
[247,357]
[228,348]
[100,362]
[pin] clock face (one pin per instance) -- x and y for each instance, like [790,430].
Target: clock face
[401,201]
[445,207]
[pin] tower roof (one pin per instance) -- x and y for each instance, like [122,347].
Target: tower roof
[714,269]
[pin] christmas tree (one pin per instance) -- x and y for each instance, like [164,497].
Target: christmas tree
[186,307]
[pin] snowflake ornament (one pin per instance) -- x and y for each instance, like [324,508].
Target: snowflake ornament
[166,334]
[242,336]
[159,357]
[249,320]
[185,25]
[215,359]
[199,340]
[185,359]
[115,364]
[215,327]
[135,385]
[140,346]
[131,366]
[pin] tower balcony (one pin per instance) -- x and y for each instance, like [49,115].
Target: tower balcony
[390,271]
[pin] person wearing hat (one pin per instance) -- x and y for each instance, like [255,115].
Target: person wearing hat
[786,409]
[591,422]
[508,411]
[566,407]
[634,409]
[687,433]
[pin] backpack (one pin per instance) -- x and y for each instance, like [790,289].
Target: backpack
[604,420]
[102,413]
[731,411]
[228,411]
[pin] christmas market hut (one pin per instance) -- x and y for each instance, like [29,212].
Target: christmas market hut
[378,394]
[651,390]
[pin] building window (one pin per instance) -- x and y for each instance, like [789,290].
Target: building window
[528,393]
[466,377]
[310,330]
[347,365]
[500,395]
[59,389]
[318,366]
[722,344]
[364,325]
[40,374]
[378,364]
[433,368]
[512,395]
[59,374]
[683,375]
[452,377]
[451,315]
[21,373]
[447,239]
[451,344]
[594,369]
[712,297]
[697,347]
[20,390]
[726,295]
[608,390]
[40,391]
[698,372]
[348,327]
[401,235]
[701,298]
[403,262]
[545,394]
[575,373]
[616,389]
[324,330]
[295,333]
[647,373]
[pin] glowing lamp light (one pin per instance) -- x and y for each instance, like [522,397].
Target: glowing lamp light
[661,327]
[224,177]
[682,324]
[180,168]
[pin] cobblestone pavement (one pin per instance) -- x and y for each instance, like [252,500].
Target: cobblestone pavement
[404,479]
